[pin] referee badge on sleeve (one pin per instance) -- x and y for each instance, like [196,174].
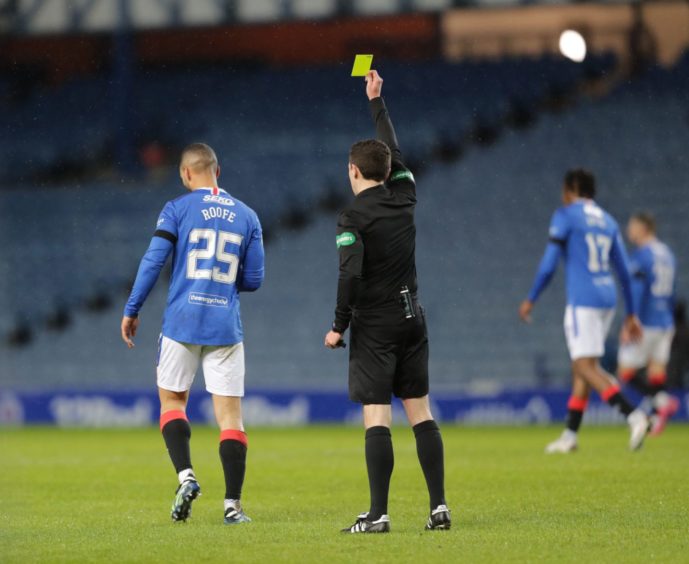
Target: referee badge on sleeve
[345,239]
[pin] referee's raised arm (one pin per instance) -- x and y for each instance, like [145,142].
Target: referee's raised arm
[385,131]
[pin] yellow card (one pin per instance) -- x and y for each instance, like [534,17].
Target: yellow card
[362,64]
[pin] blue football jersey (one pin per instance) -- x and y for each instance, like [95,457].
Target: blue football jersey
[589,240]
[217,251]
[653,268]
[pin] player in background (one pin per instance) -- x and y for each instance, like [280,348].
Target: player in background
[377,297]
[653,270]
[588,239]
[217,252]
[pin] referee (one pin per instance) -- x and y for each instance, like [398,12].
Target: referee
[376,297]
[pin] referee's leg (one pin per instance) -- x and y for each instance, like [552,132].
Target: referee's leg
[429,448]
[380,459]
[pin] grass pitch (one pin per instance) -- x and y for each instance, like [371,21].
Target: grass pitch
[96,496]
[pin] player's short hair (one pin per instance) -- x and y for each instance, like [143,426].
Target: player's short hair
[199,157]
[582,182]
[645,218]
[373,159]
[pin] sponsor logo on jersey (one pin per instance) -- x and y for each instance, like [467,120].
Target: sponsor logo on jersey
[222,200]
[160,221]
[208,300]
[345,239]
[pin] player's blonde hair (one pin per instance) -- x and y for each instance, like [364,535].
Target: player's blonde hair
[199,157]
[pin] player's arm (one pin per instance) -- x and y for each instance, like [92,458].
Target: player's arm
[400,175]
[545,273]
[558,234]
[618,256]
[162,244]
[351,253]
[252,272]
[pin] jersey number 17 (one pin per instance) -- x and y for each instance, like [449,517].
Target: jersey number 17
[599,252]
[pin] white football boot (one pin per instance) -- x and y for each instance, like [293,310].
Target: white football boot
[566,443]
[639,426]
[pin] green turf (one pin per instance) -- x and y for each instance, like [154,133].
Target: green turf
[76,495]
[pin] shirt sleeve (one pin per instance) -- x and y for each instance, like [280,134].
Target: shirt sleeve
[546,269]
[351,251]
[162,243]
[149,270]
[252,270]
[166,226]
[400,175]
[558,234]
[618,256]
[559,227]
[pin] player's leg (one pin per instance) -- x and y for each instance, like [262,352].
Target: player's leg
[632,358]
[223,370]
[380,458]
[233,449]
[177,365]
[411,384]
[430,451]
[578,401]
[664,404]
[587,329]
[609,390]
[371,369]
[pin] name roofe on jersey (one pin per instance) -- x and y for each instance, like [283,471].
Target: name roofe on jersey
[218,212]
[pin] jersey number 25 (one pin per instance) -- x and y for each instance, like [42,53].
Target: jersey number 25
[215,247]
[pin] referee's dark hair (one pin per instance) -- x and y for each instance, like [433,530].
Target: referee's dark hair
[647,219]
[373,159]
[582,182]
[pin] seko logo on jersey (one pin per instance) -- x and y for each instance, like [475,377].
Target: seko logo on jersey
[217,199]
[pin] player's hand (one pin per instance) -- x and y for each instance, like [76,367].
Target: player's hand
[333,340]
[374,84]
[631,330]
[525,311]
[129,327]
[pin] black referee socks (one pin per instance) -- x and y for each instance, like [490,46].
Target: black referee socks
[233,446]
[380,461]
[177,433]
[429,448]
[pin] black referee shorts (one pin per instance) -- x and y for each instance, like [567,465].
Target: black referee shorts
[388,355]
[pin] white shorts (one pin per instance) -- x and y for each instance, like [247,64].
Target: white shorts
[586,329]
[223,367]
[654,347]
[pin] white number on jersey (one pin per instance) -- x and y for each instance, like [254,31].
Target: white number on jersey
[663,284]
[215,246]
[599,252]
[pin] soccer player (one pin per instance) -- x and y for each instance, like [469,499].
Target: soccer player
[588,239]
[653,285]
[217,251]
[376,297]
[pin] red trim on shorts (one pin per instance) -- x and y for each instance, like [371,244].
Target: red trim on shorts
[657,379]
[168,416]
[577,404]
[234,435]
[627,375]
[609,392]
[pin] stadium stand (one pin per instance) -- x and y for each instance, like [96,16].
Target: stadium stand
[480,235]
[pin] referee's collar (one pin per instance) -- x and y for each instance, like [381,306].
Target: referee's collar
[371,189]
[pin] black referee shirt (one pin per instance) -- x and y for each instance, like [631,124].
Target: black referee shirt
[376,235]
